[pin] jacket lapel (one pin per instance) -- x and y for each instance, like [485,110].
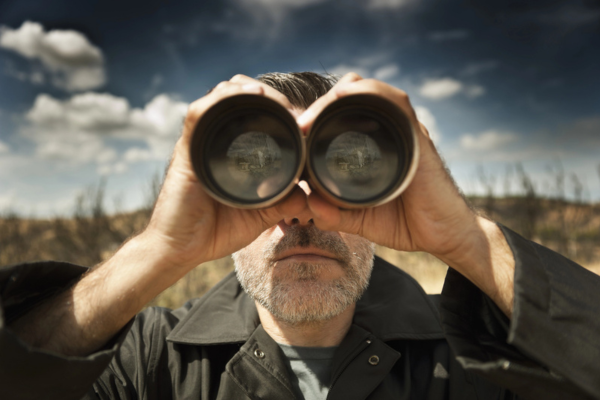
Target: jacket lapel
[225,314]
[258,369]
[361,362]
[393,307]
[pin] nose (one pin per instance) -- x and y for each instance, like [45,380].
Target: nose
[305,217]
[300,219]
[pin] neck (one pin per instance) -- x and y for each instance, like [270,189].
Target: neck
[325,333]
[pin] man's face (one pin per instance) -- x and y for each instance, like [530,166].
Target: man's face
[301,274]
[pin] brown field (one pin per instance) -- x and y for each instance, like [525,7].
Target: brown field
[91,236]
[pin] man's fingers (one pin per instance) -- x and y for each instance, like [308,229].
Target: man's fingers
[293,204]
[268,90]
[395,95]
[308,116]
[222,90]
[329,217]
[349,77]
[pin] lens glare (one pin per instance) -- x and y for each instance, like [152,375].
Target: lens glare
[356,156]
[252,156]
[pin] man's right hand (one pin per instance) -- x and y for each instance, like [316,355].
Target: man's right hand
[187,228]
[189,224]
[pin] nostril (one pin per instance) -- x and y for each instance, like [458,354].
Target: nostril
[295,221]
[310,221]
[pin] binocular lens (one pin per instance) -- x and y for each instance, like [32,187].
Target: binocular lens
[248,151]
[361,150]
[356,157]
[249,154]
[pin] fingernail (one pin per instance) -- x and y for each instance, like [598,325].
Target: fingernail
[252,88]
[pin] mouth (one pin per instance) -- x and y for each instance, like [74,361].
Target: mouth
[306,254]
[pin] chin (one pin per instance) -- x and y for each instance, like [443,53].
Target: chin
[308,300]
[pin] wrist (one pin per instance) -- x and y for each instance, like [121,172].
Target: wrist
[486,259]
[163,255]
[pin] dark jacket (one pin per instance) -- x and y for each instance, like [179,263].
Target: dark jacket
[215,347]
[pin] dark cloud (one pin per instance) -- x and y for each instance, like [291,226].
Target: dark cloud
[444,36]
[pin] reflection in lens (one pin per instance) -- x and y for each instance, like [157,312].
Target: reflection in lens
[252,158]
[353,158]
[356,157]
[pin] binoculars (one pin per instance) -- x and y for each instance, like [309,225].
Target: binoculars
[248,152]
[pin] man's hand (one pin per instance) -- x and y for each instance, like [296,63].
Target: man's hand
[187,228]
[194,226]
[431,215]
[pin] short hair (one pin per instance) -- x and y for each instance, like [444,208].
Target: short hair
[301,88]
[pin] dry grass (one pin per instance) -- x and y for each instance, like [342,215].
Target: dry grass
[425,268]
[91,236]
[197,282]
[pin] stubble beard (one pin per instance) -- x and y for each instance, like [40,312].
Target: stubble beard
[296,294]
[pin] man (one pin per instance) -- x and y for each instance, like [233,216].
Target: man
[520,318]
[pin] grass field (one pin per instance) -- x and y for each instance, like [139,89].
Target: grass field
[90,236]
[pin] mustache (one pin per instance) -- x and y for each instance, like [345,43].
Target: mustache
[311,236]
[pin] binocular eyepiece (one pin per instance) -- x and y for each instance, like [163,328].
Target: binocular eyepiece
[248,151]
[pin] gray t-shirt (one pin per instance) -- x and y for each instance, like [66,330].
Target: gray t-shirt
[312,370]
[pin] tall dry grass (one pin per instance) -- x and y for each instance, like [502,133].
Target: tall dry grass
[90,235]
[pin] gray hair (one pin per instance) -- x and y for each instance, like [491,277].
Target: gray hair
[301,88]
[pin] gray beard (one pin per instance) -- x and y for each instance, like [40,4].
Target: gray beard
[296,295]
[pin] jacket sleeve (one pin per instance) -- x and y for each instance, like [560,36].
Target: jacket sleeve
[30,373]
[550,348]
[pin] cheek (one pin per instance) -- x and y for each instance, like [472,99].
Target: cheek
[259,249]
[358,243]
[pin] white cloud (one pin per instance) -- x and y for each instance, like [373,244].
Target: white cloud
[376,65]
[83,128]
[425,116]
[36,76]
[162,115]
[438,89]
[7,200]
[443,88]
[279,3]
[137,154]
[387,4]
[473,91]
[112,169]
[343,69]
[73,63]
[262,18]
[386,72]
[488,140]
[4,147]
[106,156]
[87,111]
[444,36]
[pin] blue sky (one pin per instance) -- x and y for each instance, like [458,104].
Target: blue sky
[99,88]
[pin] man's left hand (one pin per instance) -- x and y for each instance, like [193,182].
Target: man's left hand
[430,216]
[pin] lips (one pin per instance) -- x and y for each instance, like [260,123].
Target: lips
[305,251]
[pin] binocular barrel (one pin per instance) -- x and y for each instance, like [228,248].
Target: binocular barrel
[248,152]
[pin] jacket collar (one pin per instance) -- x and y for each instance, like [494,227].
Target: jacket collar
[393,307]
